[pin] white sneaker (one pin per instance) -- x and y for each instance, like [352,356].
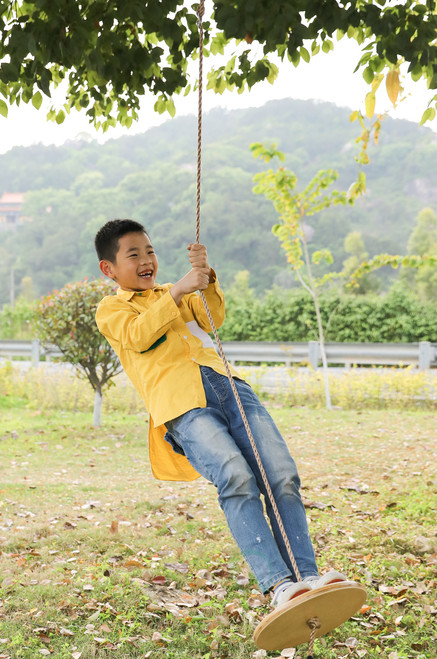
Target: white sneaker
[288,590]
[330,577]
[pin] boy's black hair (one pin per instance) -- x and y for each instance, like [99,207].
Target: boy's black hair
[107,237]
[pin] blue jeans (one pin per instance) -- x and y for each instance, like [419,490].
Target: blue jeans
[216,444]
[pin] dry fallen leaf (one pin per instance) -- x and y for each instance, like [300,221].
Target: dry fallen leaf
[6,583]
[242,580]
[178,567]
[234,610]
[105,628]
[255,601]
[132,562]
[223,620]
[69,525]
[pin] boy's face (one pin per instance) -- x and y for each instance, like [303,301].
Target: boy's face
[136,265]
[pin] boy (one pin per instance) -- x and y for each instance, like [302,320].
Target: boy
[160,333]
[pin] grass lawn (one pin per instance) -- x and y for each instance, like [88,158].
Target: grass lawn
[98,559]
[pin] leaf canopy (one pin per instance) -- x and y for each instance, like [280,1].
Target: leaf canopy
[109,53]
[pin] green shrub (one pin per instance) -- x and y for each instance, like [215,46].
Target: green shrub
[17,322]
[282,315]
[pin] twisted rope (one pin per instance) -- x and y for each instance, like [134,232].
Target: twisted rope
[200,13]
[313,623]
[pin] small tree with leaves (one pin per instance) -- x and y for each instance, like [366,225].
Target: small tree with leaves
[66,319]
[293,207]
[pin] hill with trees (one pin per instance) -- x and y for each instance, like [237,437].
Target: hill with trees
[73,189]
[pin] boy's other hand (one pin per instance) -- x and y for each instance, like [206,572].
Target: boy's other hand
[195,280]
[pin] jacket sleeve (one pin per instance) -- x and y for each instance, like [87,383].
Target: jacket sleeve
[123,325]
[216,303]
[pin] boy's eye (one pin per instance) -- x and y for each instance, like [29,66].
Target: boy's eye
[132,256]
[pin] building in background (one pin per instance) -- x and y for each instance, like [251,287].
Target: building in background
[11,210]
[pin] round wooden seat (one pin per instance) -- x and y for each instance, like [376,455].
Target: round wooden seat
[287,626]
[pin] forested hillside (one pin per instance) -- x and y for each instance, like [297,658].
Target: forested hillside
[73,189]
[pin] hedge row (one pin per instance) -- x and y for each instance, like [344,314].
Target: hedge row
[281,315]
[396,317]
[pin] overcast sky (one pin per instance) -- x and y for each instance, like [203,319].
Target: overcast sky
[328,77]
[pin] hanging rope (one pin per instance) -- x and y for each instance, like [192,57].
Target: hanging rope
[314,623]
[200,13]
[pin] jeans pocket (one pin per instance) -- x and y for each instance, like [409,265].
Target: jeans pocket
[215,385]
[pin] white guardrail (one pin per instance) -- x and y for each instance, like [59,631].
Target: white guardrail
[422,355]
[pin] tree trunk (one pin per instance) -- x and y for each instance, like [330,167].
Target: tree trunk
[313,291]
[323,353]
[97,415]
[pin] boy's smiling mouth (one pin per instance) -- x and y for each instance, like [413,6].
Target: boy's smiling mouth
[146,274]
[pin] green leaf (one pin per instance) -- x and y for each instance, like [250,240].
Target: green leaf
[37,100]
[370,104]
[428,115]
[327,46]
[305,54]
[160,105]
[60,117]
[368,75]
[3,108]
[170,107]
[295,58]
[273,73]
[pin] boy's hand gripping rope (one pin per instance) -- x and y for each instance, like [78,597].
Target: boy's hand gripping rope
[314,623]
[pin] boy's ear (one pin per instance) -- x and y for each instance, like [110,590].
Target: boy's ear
[106,268]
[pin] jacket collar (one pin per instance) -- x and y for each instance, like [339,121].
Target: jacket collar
[128,295]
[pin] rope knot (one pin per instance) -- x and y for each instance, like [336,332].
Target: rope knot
[314,624]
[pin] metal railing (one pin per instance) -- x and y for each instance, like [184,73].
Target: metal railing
[33,351]
[422,355]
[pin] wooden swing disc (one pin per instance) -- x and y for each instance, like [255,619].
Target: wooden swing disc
[287,626]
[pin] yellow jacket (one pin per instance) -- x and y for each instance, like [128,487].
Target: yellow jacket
[160,346]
